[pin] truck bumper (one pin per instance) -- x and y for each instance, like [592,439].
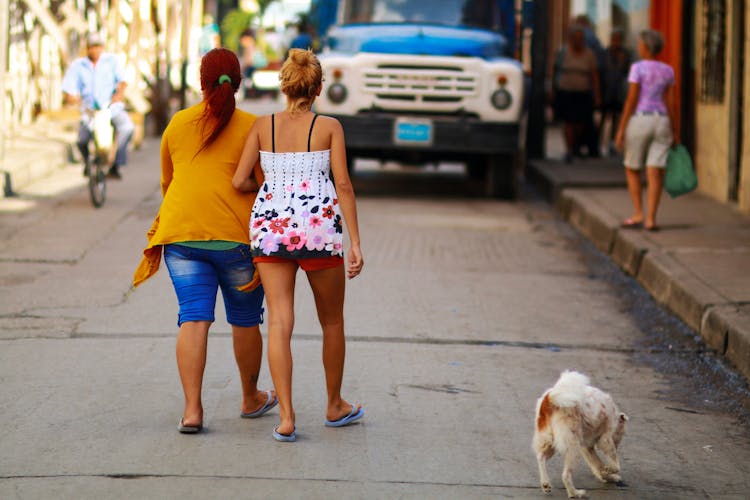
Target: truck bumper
[375,132]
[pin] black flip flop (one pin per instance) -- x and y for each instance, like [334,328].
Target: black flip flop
[189,429]
[631,224]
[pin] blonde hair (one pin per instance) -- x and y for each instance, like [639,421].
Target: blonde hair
[301,77]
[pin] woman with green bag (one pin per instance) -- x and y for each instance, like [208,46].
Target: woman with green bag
[647,128]
[680,178]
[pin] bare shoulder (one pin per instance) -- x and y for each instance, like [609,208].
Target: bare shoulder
[330,124]
[261,120]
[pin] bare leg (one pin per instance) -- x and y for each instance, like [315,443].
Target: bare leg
[328,288]
[248,352]
[192,340]
[278,284]
[655,176]
[636,190]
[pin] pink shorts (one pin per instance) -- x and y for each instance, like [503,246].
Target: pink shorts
[311,264]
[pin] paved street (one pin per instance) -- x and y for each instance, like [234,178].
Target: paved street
[466,311]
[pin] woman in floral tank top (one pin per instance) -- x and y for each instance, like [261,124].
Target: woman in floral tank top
[297,222]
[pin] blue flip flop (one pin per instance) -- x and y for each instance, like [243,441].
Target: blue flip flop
[271,401]
[353,416]
[285,438]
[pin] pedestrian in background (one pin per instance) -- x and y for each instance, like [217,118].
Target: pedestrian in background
[203,228]
[617,62]
[297,223]
[247,53]
[575,88]
[593,126]
[303,40]
[647,128]
[98,82]
[209,37]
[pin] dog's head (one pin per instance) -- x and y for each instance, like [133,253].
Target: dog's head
[620,429]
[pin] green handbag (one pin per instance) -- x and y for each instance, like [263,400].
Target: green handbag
[680,177]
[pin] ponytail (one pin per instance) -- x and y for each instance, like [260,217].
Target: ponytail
[220,79]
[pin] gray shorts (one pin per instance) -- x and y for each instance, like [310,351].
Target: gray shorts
[647,141]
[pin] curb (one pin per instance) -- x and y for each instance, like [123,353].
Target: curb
[25,167]
[726,329]
[723,324]
[37,151]
[590,219]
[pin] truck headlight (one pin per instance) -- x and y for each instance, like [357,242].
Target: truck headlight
[337,93]
[501,99]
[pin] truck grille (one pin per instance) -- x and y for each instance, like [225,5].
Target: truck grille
[420,83]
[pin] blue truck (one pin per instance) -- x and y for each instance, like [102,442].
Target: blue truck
[421,81]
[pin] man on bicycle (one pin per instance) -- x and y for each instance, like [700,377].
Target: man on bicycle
[97,82]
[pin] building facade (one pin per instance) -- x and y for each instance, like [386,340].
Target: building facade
[722,111]
[706,44]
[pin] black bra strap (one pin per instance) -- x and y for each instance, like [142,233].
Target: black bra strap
[273,135]
[309,136]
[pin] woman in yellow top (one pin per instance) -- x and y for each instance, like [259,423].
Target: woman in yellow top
[203,228]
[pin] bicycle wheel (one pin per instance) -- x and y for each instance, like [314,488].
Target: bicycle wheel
[97,181]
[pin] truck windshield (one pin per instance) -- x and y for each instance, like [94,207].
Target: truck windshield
[483,14]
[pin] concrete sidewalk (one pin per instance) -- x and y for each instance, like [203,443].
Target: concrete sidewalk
[698,265]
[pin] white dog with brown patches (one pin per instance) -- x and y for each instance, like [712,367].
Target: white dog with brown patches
[573,416]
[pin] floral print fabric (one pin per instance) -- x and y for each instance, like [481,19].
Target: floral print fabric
[296,213]
[654,77]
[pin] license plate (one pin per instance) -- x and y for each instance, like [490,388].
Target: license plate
[413,131]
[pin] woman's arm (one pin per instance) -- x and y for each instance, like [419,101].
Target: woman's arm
[242,180]
[634,90]
[671,104]
[345,192]
[167,168]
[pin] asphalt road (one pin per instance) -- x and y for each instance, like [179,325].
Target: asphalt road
[466,311]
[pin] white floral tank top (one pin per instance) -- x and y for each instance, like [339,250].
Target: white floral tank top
[296,214]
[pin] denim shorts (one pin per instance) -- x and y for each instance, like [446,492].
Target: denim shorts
[197,274]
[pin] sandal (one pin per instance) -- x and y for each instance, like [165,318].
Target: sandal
[271,402]
[189,429]
[631,223]
[285,438]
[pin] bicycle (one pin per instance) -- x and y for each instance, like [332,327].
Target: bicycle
[99,124]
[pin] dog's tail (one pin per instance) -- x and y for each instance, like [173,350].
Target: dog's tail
[569,390]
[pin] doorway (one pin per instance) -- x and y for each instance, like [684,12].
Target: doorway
[736,98]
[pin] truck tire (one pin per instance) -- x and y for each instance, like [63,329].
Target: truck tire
[502,176]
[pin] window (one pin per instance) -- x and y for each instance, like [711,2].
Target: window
[714,51]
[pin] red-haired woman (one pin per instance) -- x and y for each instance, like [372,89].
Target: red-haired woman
[297,223]
[203,228]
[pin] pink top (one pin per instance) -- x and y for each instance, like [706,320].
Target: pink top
[654,77]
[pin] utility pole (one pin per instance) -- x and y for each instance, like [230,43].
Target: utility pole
[535,135]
